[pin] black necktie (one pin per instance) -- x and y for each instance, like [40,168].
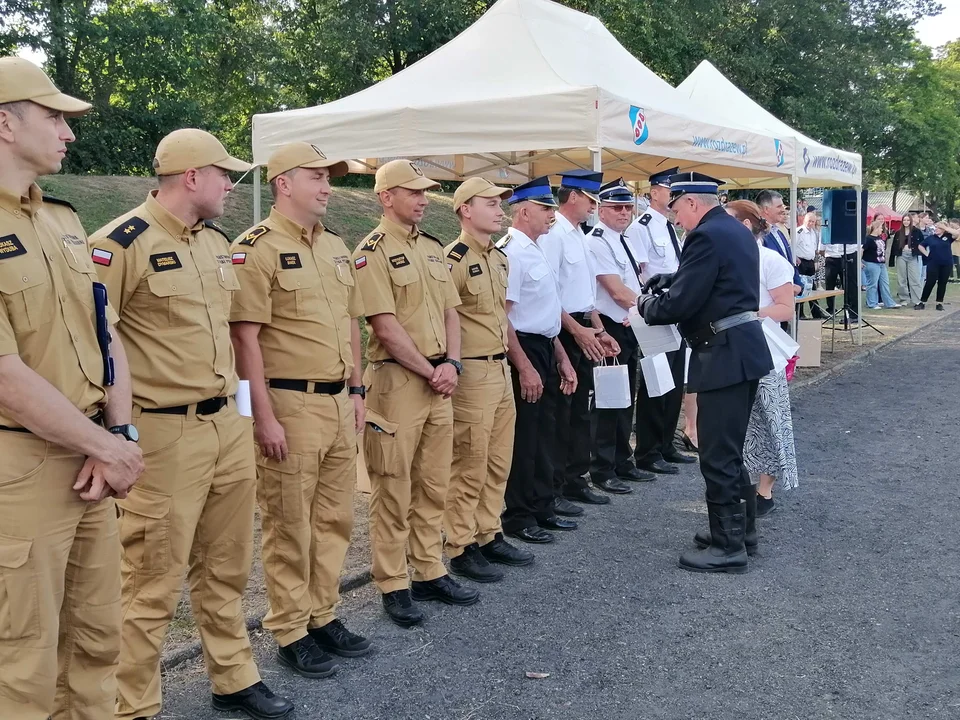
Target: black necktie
[673,239]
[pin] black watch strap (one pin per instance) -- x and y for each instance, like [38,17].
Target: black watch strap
[360,390]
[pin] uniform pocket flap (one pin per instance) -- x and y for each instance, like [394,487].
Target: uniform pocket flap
[290,281]
[439,271]
[14,552]
[169,285]
[405,276]
[375,420]
[17,277]
[147,503]
[290,466]
[469,416]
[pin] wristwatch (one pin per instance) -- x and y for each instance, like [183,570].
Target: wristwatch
[456,363]
[127,431]
[360,390]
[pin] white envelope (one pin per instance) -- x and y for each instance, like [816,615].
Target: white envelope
[657,375]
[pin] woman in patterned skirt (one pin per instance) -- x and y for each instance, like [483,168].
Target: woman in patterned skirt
[769,454]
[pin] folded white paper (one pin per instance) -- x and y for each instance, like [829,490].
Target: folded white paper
[611,386]
[653,339]
[657,375]
[782,346]
[243,399]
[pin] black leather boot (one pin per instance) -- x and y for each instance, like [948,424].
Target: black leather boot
[474,566]
[256,701]
[751,538]
[726,552]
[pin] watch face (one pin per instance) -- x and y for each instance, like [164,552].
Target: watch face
[132,433]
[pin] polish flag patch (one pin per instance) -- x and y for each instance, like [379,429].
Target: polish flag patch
[102,257]
[238,258]
[360,262]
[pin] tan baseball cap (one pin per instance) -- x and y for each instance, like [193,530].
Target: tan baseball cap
[478,187]
[402,173]
[191,148]
[22,80]
[302,155]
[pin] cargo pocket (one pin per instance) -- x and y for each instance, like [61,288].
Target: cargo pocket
[380,445]
[19,606]
[468,440]
[282,487]
[145,531]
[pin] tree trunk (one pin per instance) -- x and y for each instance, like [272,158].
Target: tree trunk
[893,202]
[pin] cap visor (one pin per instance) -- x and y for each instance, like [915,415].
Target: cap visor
[338,168]
[421,183]
[502,193]
[69,106]
[592,196]
[545,203]
[232,164]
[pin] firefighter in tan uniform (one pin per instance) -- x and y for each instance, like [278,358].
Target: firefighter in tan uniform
[59,552]
[414,363]
[297,339]
[168,272]
[483,408]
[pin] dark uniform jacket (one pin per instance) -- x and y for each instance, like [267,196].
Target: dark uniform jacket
[719,276]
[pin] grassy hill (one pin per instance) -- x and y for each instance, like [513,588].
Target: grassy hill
[352,213]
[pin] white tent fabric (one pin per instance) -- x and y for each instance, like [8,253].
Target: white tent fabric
[531,88]
[817,164]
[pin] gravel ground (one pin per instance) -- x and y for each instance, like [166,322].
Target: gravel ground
[849,611]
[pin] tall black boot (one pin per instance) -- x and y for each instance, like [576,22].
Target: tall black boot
[751,538]
[726,552]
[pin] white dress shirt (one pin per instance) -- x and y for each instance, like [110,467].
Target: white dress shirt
[836,250]
[774,272]
[566,249]
[531,287]
[610,258]
[650,234]
[808,243]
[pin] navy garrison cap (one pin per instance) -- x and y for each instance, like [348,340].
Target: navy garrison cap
[536,191]
[616,192]
[586,181]
[692,183]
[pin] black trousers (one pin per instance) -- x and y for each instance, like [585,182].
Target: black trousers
[611,452]
[936,275]
[657,417]
[808,268]
[722,417]
[574,439]
[529,494]
[851,289]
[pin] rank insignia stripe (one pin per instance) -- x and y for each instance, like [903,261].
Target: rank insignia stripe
[289,261]
[475,270]
[458,251]
[102,257]
[162,262]
[371,242]
[128,231]
[238,258]
[251,237]
[10,246]
[399,261]
[360,262]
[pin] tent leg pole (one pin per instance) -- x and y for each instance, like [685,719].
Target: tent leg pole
[597,157]
[792,225]
[860,230]
[256,196]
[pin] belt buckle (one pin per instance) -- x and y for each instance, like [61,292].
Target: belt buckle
[712,327]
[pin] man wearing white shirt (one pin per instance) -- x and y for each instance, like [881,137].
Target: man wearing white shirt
[808,247]
[617,265]
[541,370]
[656,239]
[582,336]
[841,266]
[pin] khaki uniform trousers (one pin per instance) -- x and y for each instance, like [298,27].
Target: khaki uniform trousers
[483,428]
[190,513]
[306,507]
[408,461]
[59,587]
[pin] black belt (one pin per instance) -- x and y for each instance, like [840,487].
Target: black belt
[491,358]
[584,318]
[320,388]
[533,336]
[95,419]
[436,362]
[718,326]
[204,407]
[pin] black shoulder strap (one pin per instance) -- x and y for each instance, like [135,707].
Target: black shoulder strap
[213,226]
[633,262]
[127,231]
[58,201]
[673,239]
[458,251]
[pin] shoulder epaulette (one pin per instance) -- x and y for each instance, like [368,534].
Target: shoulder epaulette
[458,251]
[331,231]
[251,237]
[503,242]
[597,232]
[432,237]
[645,219]
[500,250]
[213,226]
[58,201]
[371,242]
[128,231]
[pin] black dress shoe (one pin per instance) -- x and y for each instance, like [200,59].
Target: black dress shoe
[765,506]
[534,534]
[555,522]
[586,495]
[660,467]
[335,638]
[472,565]
[256,701]
[401,609]
[612,485]
[500,551]
[674,456]
[562,506]
[306,658]
[634,474]
[444,589]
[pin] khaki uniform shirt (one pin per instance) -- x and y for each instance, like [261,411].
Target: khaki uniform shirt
[303,294]
[403,274]
[172,286]
[479,274]
[46,286]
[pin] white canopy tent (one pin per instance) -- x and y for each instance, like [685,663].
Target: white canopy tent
[531,88]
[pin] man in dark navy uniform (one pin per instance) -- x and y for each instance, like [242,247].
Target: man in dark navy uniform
[714,297]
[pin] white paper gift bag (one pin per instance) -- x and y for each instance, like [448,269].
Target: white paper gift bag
[782,346]
[653,339]
[611,386]
[657,375]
